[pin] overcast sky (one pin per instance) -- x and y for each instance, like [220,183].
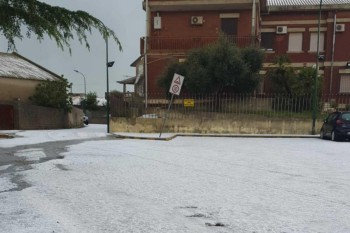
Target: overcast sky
[125,17]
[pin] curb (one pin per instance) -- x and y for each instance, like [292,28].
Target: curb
[146,138]
[216,135]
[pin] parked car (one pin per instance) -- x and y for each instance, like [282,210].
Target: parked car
[336,126]
[86,120]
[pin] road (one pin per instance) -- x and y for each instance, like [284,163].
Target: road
[186,185]
[14,164]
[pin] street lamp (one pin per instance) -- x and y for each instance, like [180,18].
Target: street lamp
[317,70]
[108,65]
[84,89]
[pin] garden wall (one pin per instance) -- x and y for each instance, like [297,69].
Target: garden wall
[31,117]
[237,125]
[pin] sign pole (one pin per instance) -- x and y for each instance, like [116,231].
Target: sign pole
[175,89]
[166,115]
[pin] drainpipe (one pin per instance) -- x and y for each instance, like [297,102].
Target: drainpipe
[333,51]
[145,53]
[253,32]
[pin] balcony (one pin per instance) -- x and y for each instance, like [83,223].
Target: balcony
[183,44]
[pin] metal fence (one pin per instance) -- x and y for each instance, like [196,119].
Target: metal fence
[227,105]
[156,43]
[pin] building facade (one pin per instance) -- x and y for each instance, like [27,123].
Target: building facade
[19,77]
[282,27]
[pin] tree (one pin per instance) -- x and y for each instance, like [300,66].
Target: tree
[306,81]
[53,94]
[42,19]
[218,67]
[166,77]
[298,84]
[283,76]
[292,81]
[91,101]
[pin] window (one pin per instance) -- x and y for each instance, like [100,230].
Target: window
[344,84]
[346,117]
[268,40]
[332,117]
[295,43]
[229,26]
[313,42]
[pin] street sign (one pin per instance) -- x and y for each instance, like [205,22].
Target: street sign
[189,103]
[176,84]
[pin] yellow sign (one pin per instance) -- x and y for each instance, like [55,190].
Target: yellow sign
[189,103]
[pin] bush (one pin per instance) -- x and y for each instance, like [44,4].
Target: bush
[53,94]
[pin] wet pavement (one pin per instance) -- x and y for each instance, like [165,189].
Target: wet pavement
[11,164]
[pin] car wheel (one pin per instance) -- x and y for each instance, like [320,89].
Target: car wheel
[334,136]
[322,134]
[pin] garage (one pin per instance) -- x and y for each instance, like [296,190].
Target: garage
[6,117]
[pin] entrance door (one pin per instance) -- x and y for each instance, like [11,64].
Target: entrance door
[6,117]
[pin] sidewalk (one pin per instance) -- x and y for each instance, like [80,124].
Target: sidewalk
[170,136]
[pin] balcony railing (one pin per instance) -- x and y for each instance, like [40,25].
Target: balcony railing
[182,44]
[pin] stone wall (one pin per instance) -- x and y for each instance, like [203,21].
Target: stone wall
[237,125]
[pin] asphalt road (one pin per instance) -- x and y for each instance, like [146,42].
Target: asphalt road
[14,164]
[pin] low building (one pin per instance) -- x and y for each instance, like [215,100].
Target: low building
[19,77]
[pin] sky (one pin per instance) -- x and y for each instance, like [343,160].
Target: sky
[125,17]
[186,185]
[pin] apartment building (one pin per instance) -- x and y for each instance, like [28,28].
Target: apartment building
[280,27]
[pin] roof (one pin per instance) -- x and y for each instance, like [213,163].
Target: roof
[128,81]
[306,5]
[136,61]
[305,2]
[13,65]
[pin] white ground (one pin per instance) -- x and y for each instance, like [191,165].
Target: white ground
[183,185]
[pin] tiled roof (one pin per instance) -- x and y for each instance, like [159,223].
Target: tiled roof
[12,65]
[305,2]
[128,81]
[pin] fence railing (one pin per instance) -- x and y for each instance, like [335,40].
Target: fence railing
[185,44]
[227,105]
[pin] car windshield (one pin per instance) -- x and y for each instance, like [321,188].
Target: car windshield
[346,117]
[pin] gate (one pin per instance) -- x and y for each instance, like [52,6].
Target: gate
[6,117]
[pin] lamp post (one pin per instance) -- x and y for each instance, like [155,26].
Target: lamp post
[84,89]
[108,65]
[317,70]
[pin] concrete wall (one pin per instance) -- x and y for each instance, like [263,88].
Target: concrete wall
[97,117]
[237,125]
[32,117]
[74,118]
